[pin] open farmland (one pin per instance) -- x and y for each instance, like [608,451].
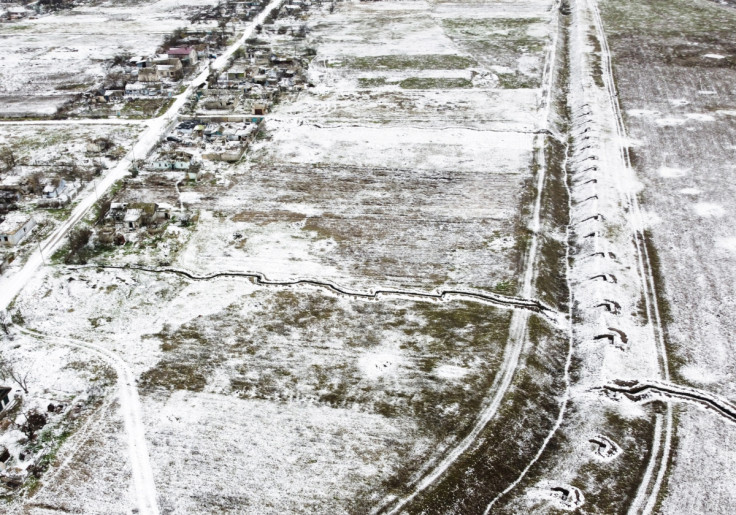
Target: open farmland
[368,257]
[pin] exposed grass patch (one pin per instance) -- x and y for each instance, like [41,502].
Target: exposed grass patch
[596,63]
[502,450]
[435,83]
[551,280]
[518,80]
[497,41]
[74,87]
[268,217]
[371,82]
[411,62]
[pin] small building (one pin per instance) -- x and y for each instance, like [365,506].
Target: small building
[221,102]
[260,109]
[14,183]
[163,211]
[4,396]
[54,188]
[143,88]
[132,220]
[236,72]
[149,74]
[138,61]
[117,211]
[187,55]
[15,227]
[113,94]
[172,161]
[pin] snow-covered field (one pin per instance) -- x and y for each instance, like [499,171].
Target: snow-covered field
[678,96]
[469,146]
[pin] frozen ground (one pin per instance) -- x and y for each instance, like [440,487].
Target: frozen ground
[474,146]
[675,69]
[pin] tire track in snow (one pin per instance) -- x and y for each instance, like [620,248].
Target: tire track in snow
[518,326]
[140,463]
[645,271]
[78,440]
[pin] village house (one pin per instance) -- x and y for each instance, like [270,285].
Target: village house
[14,183]
[113,94]
[143,89]
[54,188]
[132,219]
[187,55]
[98,145]
[260,109]
[172,161]
[220,101]
[15,227]
[148,74]
[139,214]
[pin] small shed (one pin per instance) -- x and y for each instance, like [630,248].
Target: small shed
[15,227]
[260,109]
[132,219]
[54,188]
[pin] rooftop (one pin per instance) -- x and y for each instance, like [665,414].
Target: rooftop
[13,222]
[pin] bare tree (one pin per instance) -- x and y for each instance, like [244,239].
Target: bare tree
[8,371]
[19,378]
[34,422]
[5,323]
[7,157]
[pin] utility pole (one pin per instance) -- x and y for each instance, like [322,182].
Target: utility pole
[43,259]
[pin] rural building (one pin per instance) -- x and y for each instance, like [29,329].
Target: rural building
[113,94]
[187,55]
[260,109]
[132,219]
[172,161]
[143,88]
[149,74]
[15,227]
[54,188]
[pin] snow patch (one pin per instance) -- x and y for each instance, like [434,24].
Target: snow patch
[379,364]
[700,117]
[690,191]
[709,210]
[698,374]
[669,172]
[727,243]
[450,372]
